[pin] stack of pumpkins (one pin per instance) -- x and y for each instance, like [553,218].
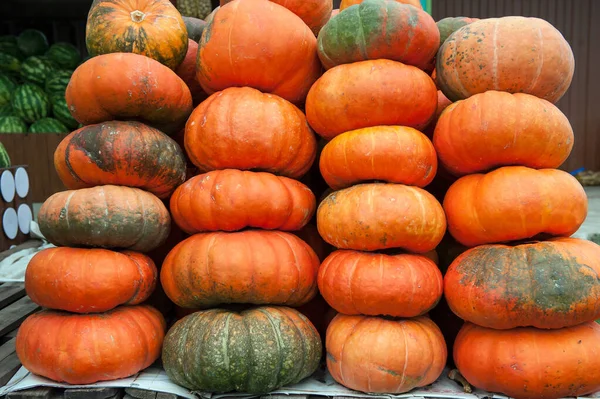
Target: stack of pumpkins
[528,293]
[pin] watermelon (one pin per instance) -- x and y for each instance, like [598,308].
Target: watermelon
[4,158]
[6,110]
[12,49]
[32,42]
[7,86]
[57,83]
[65,55]
[9,63]
[36,70]
[60,109]
[30,103]
[48,125]
[12,124]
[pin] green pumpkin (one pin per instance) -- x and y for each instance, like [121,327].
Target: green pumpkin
[448,26]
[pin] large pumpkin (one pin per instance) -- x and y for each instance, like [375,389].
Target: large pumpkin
[105,216]
[370,93]
[187,72]
[514,203]
[128,87]
[496,128]
[120,153]
[369,217]
[348,3]
[83,349]
[230,200]
[242,128]
[253,351]
[378,355]
[449,25]
[379,29]
[374,154]
[89,280]
[153,28]
[531,363]
[269,48]
[402,285]
[513,54]
[314,13]
[252,266]
[548,284]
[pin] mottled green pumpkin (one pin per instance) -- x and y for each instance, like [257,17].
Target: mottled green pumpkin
[254,351]
[449,25]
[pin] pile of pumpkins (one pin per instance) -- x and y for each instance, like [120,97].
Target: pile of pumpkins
[206,154]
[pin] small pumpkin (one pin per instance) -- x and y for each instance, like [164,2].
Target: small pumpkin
[57,345]
[314,13]
[89,280]
[374,153]
[496,128]
[242,128]
[370,217]
[195,28]
[378,29]
[251,266]
[265,347]
[513,54]
[449,25]
[187,72]
[105,216]
[127,86]
[400,285]
[153,28]
[348,3]
[120,153]
[370,93]
[378,355]
[514,203]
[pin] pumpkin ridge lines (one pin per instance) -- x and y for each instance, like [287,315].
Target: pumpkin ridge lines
[351,280]
[540,62]
[67,161]
[495,55]
[403,379]
[66,209]
[280,345]
[296,264]
[225,348]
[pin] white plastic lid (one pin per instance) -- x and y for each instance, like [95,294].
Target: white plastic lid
[7,186]
[10,223]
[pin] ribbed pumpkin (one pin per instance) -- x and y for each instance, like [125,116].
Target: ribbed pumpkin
[314,13]
[120,153]
[252,266]
[513,54]
[402,285]
[378,29]
[348,3]
[496,128]
[377,355]
[105,216]
[375,154]
[128,87]
[530,363]
[449,25]
[370,93]
[369,217]
[83,349]
[153,28]
[242,128]
[272,50]
[230,200]
[514,203]
[187,72]
[253,351]
[548,284]
[89,280]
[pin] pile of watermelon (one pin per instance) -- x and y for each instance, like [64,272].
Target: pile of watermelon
[33,78]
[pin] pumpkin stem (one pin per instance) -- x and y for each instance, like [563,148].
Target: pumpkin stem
[455,375]
[137,16]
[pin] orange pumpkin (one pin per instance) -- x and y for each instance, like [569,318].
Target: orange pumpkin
[347,3]
[377,355]
[374,153]
[153,28]
[369,217]
[59,345]
[442,104]
[496,128]
[270,49]
[89,280]
[187,72]
[314,13]
[370,93]
[242,128]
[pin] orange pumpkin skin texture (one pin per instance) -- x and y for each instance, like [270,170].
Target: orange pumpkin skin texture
[496,128]
[547,284]
[377,355]
[374,153]
[127,86]
[370,93]
[57,345]
[251,266]
[120,153]
[517,54]
[530,363]
[514,203]
[230,200]
[370,217]
[347,3]
[153,28]
[242,128]
[89,280]
[270,49]
[314,13]
[187,72]
[105,216]
[442,104]
[403,285]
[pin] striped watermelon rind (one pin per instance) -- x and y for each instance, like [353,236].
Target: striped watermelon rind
[36,70]
[48,125]
[58,82]
[32,42]
[9,63]
[4,158]
[65,55]
[6,110]
[7,87]
[30,103]
[12,124]
[60,109]
[12,49]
